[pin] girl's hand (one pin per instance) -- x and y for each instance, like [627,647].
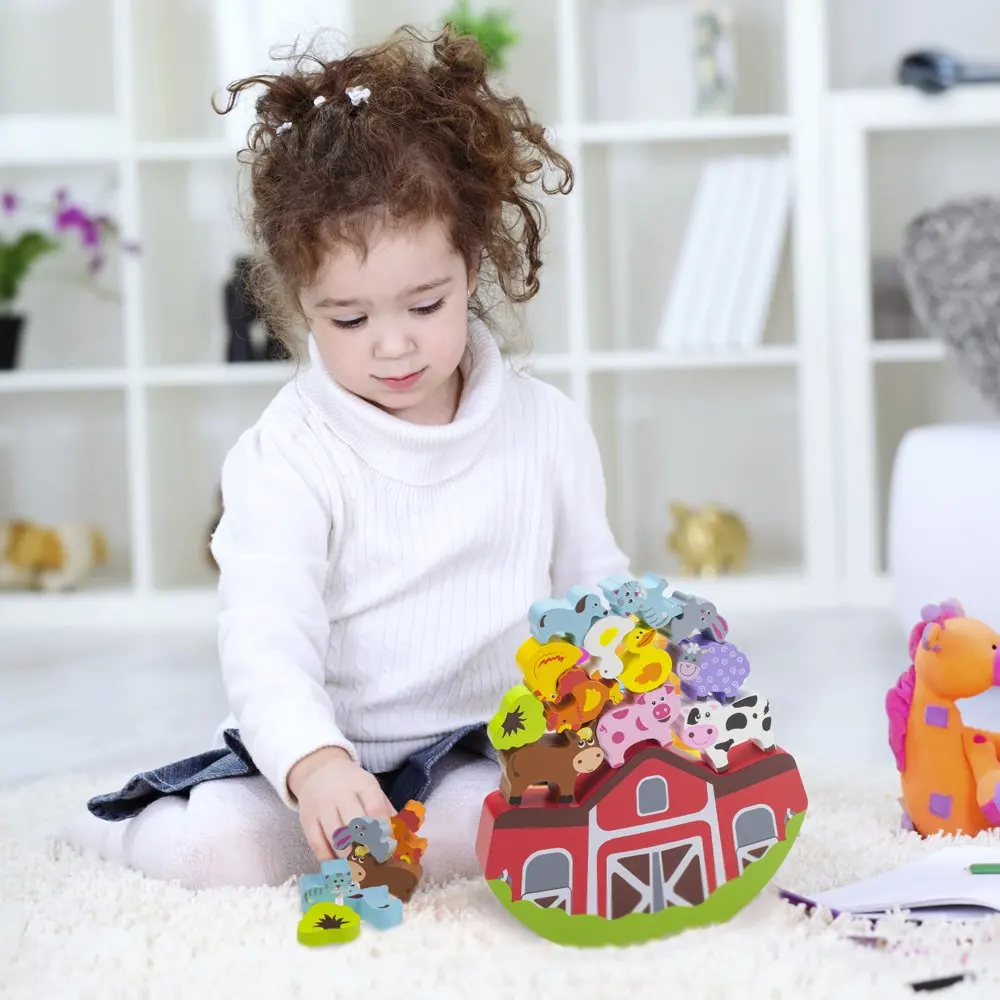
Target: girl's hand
[331,791]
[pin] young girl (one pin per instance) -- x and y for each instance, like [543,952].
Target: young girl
[401,502]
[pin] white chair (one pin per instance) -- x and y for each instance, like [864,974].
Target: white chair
[944,520]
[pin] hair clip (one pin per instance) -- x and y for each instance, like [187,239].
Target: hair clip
[283,127]
[317,101]
[358,94]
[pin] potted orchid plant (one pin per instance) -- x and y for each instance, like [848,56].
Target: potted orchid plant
[25,240]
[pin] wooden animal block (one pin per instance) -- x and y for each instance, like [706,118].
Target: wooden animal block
[555,761]
[602,643]
[568,619]
[405,824]
[646,599]
[375,834]
[647,665]
[332,883]
[543,665]
[376,906]
[581,700]
[650,717]
[714,728]
[698,617]
[400,877]
[712,669]
[328,923]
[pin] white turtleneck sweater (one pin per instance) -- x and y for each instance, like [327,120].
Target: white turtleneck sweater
[376,575]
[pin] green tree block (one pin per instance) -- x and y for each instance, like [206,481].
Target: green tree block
[328,923]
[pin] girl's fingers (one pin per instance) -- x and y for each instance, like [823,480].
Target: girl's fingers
[318,840]
[375,804]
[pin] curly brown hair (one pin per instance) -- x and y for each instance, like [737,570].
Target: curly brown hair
[434,141]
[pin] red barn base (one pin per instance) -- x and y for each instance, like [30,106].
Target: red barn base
[661,830]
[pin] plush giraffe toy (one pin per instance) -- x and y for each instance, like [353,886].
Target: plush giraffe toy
[949,772]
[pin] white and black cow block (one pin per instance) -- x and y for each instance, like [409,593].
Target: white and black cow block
[714,728]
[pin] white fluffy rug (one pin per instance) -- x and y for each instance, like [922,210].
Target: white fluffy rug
[75,927]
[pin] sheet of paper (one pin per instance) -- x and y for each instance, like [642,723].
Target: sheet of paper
[939,880]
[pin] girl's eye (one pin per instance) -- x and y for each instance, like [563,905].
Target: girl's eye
[427,310]
[348,324]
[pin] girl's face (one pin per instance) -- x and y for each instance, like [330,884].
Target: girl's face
[392,328]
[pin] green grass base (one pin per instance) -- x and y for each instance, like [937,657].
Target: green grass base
[587,930]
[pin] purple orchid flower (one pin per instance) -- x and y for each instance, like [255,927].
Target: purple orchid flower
[9,202]
[75,218]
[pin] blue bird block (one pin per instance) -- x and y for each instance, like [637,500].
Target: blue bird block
[568,619]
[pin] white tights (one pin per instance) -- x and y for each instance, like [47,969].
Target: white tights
[237,832]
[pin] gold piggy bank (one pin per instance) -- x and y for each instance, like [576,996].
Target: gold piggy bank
[709,541]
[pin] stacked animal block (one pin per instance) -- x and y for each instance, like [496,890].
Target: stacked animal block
[638,665]
[632,730]
[377,873]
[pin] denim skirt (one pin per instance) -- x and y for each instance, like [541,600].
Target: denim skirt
[413,780]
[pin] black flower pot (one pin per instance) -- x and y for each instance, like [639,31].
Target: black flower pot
[10,341]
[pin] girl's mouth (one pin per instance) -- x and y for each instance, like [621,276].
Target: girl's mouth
[406,382]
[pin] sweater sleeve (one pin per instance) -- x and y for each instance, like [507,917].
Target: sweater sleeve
[271,546]
[585,550]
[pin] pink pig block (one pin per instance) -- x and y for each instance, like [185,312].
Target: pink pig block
[650,717]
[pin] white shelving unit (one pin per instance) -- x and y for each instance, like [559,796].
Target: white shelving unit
[881,395]
[142,387]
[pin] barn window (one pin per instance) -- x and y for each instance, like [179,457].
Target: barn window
[548,880]
[755,830]
[651,795]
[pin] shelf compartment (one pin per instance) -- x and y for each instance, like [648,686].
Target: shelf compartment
[56,58]
[767,356]
[639,201]
[191,430]
[666,439]
[684,130]
[53,380]
[914,351]
[63,460]
[192,235]
[909,396]
[638,59]
[170,103]
[71,322]
[273,373]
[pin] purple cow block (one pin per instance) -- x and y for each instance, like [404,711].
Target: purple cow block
[712,669]
[650,717]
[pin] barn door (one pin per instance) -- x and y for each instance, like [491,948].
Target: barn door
[649,881]
[755,832]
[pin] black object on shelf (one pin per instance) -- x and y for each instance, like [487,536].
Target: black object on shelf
[242,313]
[10,341]
[934,71]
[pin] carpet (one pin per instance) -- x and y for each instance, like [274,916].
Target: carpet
[75,927]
